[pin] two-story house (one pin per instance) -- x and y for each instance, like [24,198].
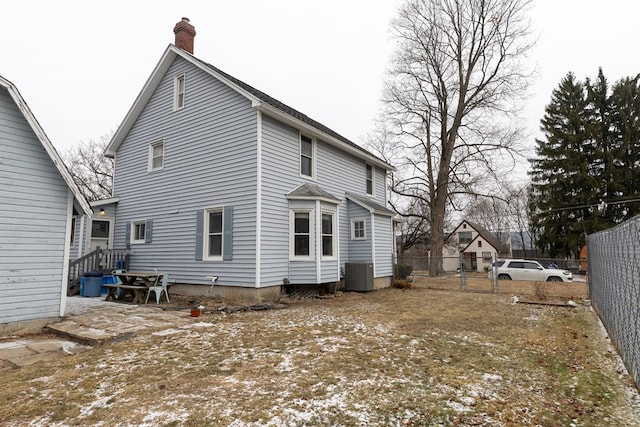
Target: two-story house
[216,178]
[478,247]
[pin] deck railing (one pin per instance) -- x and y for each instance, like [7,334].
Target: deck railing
[104,260]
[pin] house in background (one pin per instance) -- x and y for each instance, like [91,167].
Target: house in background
[478,246]
[39,199]
[216,178]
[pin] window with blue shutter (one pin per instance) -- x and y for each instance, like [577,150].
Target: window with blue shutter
[214,234]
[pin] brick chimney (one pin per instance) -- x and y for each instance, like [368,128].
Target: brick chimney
[185,34]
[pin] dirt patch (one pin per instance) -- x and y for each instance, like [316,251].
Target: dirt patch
[389,357]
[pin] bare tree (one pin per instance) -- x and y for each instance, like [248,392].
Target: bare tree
[451,101]
[90,169]
[505,214]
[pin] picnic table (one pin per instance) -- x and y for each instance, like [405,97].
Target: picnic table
[135,283]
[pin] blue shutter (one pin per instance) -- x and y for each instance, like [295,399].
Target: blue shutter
[227,234]
[199,233]
[148,230]
[127,235]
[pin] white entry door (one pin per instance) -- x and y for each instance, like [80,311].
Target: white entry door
[100,234]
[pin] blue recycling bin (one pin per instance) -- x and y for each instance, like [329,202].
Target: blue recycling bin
[92,283]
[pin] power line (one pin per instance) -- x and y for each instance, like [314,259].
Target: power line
[600,205]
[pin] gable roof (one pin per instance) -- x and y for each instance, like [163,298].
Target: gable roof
[370,205]
[485,234]
[46,144]
[260,101]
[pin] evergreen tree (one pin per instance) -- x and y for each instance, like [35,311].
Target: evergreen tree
[560,171]
[599,153]
[625,100]
[586,176]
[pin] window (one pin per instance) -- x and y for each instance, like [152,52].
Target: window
[369,179]
[327,234]
[178,92]
[156,156]
[100,229]
[213,227]
[486,256]
[358,229]
[72,242]
[306,156]
[301,234]
[138,231]
[465,237]
[479,243]
[214,234]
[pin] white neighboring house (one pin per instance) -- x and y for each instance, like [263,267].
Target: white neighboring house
[479,246]
[39,199]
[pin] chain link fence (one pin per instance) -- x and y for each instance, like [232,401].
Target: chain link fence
[614,288]
[459,277]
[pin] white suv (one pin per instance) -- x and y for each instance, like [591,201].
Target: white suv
[526,269]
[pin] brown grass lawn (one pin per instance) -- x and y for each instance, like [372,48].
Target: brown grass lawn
[391,357]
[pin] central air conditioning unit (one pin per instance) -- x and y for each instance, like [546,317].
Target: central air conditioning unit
[358,276]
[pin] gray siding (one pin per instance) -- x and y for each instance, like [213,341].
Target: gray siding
[209,161]
[33,218]
[76,244]
[359,250]
[337,172]
[383,261]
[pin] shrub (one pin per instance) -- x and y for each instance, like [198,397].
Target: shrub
[402,284]
[403,270]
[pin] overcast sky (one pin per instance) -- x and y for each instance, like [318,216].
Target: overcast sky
[80,64]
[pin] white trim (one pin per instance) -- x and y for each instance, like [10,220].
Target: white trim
[314,198]
[338,243]
[313,156]
[176,91]
[82,244]
[152,145]
[132,239]
[334,226]
[318,242]
[259,200]
[65,257]
[104,201]
[373,179]
[364,225]
[44,140]
[111,231]
[312,249]
[373,243]
[205,235]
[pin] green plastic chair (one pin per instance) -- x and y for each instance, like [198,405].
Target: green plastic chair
[159,289]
